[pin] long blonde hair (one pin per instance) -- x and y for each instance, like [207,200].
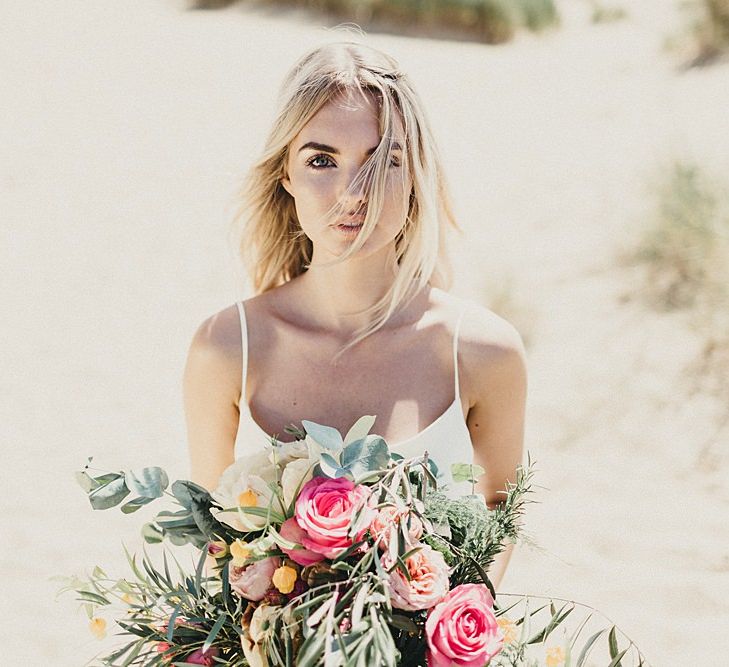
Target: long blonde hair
[272,245]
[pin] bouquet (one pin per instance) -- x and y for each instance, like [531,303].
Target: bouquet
[331,551]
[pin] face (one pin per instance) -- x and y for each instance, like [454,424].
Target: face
[322,163]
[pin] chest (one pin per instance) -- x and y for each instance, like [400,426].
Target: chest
[405,378]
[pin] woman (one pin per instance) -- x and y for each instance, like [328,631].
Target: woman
[345,220]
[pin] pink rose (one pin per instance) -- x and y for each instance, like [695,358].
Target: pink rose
[291,531]
[462,629]
[428,583]
[325,509]
[252,581]
[387,521]
[200,658]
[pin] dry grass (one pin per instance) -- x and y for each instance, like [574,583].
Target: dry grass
[705,39]
[489,21]
[504,298]
[606,13]
[684,253]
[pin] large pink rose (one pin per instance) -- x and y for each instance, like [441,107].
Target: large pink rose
[291,531]
[325,508]
[462,629]
[253,581]
[428,583]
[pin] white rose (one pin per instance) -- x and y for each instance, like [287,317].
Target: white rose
[285,452]
[240,488]
[294,476]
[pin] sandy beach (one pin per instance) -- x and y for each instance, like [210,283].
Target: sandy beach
[127,128]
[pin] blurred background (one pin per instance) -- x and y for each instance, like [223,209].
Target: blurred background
[587,147]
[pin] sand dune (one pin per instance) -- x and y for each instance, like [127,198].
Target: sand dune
[126,131]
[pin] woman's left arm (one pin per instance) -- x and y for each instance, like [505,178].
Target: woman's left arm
[495,367]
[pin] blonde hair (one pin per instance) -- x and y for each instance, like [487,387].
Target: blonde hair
[272,245]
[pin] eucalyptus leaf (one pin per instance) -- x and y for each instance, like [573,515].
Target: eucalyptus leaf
[329,466]
[152,534]
[109,494]
[327,436]
[359,429]
[365,455]
[134,504]
[85,481]
[149,482]
[466,472]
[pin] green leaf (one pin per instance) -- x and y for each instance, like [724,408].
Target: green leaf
[149,482]
[466,472]
[214,631]
[359,429]
[109,494]
[612,642]
[329,466]
[365,455]
[586,648]
[326,436]
[85,481]
[152,534]
[134,504]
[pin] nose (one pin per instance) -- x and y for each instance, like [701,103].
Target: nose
[353,196]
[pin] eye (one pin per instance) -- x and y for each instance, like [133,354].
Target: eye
[310,162]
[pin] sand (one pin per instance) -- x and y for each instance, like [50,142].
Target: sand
[126,130]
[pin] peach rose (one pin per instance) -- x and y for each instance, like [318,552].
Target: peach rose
[253,581]
[387,522]
[325,509]
[462,630]
[428,583]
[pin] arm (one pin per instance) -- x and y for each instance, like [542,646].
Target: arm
[211,391]
[497,382]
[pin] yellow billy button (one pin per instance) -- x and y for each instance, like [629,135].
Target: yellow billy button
[97,626]
[555,656]
[508,629]
[239,552]
[284,579]
[248,498]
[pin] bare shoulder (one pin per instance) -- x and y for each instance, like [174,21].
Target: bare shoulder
[215,356]
[490,350]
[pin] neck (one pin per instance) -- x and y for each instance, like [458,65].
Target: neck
[334,295]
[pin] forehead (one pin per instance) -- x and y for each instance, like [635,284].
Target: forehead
[349,119]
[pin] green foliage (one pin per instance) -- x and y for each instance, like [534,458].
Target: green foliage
[607,13]
[490,21]
[684,248]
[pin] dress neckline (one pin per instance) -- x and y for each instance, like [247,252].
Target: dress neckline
[392,445]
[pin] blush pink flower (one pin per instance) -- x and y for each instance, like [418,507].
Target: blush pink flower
[203,658]
[428,583]
[462,629]
[386,524]
[325,509]
[252,581]
[291,531]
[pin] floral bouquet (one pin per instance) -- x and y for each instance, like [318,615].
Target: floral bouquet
[327,551]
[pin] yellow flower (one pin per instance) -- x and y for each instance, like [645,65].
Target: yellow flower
[239,552]
[555,656]
[97,626]
[284,579]
[248,498]
[508,629]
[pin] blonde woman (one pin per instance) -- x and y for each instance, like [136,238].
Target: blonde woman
[344,225]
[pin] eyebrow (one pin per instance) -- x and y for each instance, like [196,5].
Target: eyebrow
[330,149]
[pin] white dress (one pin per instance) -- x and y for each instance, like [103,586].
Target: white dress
[447,439]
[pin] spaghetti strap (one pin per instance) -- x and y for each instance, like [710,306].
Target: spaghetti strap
[244,355]
[455,352]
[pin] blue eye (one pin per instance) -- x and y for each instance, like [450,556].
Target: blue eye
[310,162]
